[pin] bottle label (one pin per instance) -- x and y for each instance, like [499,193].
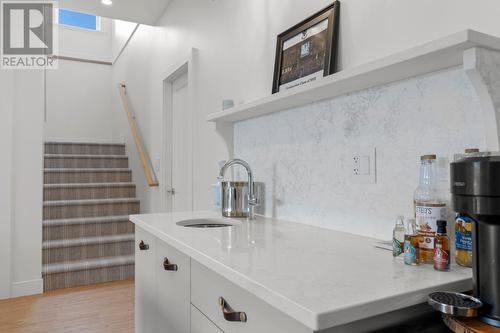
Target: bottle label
[427,215]
[397,247]
[441,259]
[463,233]
[410,253]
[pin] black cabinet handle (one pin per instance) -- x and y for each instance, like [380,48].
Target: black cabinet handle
[229,314]
[143,246]
[168,266]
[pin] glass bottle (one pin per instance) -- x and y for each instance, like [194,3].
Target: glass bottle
[463,228]
[398,237]
[441,256]
[411,255]
[429,208]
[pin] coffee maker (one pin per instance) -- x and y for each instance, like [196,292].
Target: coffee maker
[475,189]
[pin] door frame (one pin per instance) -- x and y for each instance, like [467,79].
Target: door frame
[186,67]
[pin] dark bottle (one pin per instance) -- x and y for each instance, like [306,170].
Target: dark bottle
[441,255]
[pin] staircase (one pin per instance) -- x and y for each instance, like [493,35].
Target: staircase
[88,196]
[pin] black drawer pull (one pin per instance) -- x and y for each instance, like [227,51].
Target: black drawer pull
[230,314]
[143,246]
[168,266]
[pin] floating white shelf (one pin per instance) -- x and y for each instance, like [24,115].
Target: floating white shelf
[433,56]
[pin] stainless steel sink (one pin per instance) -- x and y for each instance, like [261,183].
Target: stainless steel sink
[208,223]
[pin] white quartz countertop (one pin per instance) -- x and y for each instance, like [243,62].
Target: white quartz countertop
[320,277]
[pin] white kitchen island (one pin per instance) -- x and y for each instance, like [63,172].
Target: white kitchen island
[284,276]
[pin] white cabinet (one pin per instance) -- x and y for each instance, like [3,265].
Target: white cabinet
[175,294]
[201,324]
[245,313]
[172,288]
[145,280]
[162,300]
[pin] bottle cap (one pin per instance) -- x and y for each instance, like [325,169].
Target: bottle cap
[441,223]
[427,157]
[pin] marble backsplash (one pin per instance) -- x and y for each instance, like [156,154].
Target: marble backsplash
[303,155]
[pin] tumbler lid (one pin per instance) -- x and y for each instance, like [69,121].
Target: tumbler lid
[454,304]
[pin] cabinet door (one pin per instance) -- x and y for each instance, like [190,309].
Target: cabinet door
[207,289]
[201,324]
[145,281]
[173,291]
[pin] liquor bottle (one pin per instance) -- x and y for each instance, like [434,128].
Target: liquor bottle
[398,237]
[429,208]
[463,226]
[441,256]
[411,255]
[463,240]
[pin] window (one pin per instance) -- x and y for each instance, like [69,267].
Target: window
[78,20]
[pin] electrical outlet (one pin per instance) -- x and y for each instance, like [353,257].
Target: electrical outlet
[362,170]
[361,165]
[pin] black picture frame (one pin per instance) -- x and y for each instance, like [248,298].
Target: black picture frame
[330,13]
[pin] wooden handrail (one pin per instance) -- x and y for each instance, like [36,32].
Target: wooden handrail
[146,164]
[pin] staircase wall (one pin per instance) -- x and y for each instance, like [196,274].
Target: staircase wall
[20,182]
[79,102]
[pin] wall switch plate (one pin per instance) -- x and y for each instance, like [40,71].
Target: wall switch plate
[362,168]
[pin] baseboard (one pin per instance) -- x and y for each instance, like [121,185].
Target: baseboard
[83,140]
[25,288]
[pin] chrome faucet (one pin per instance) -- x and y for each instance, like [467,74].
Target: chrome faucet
[252,199]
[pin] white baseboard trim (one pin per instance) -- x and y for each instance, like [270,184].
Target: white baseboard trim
[25,288]
[83,140]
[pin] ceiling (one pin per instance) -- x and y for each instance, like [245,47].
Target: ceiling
[139,11]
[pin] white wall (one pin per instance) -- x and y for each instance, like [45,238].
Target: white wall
[79,102]
[6,105]
[78,107]
[237,39]
[78,93]
[121,31]
[21,194]
[304,155]
[27,179]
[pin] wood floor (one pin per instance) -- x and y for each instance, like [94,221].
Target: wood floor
[103,308]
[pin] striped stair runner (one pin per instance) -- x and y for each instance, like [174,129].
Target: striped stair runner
[88,196]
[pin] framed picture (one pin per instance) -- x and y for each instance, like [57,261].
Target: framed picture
[308,50]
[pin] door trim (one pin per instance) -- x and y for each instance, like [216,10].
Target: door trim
[186,67]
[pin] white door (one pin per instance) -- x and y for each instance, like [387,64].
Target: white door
[179,189]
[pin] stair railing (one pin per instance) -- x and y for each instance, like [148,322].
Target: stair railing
[145,161]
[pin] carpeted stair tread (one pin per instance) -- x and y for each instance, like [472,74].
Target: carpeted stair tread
[84,148]
[91,190]
[59,170]
[59,161]
[88,185]
[85,220]
[57,143]
[51,244]
[88,196]
[80,265]
[123,157]
[86,202]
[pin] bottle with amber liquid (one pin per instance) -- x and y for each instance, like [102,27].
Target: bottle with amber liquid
[428,207]
[411,253]
[441,254]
